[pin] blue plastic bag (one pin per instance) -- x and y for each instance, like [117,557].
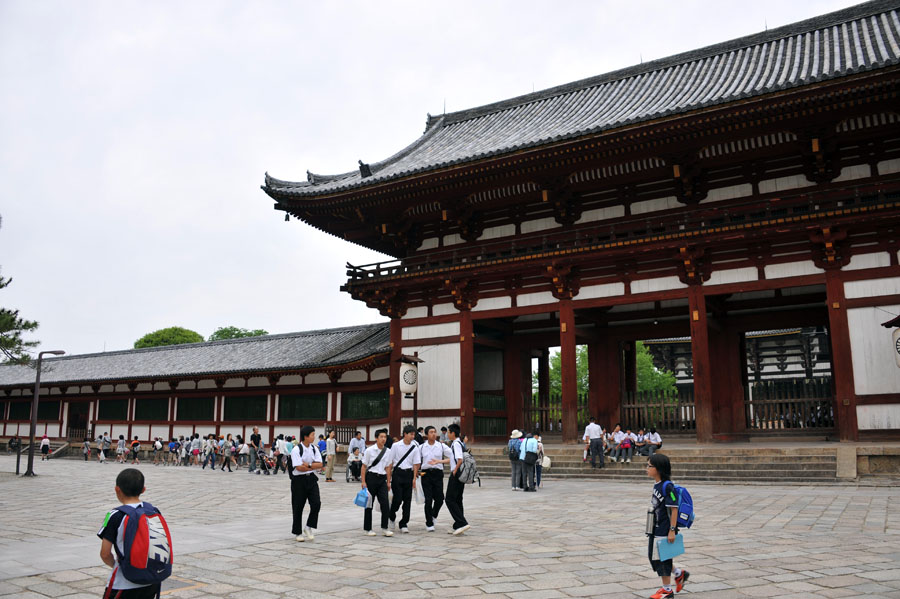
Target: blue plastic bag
[362,498]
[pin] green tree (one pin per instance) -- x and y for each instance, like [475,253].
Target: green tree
[649,377]
[235,333]
[581,371]
[13,347]
[169,336]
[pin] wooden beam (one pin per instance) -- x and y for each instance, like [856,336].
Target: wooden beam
[841,358]
[703,389]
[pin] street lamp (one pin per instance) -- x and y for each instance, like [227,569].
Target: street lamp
[34,407]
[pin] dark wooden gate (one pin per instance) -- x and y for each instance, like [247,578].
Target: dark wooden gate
[667,411]
[545,414]
[790,406]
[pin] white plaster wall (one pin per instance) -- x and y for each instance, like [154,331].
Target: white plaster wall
[728,193]
[496,232]
[161,386]
[430,330]
[597,214]
[417,312]
[140,387]
[235,430]
[291,379]
[783,183]
[206,384]
[234,383]
[535,299]
[605,290]
[872,288]
[119,388]
[492,303]
[452,239]
[159,430]
[328,414]
[287,431]
[186,385]
[430,243]
[258,381]
[541,224]
[876,260]
[646,206]
[886,167]
[879,416]
[857,171]
[488,370]
[372,428]
[381,373]
[792,269]
[660,284]
[317,378]
[142,431]
[733,275]
[182,431]
[354,376]
[443,309]
[875,370]
[439,376]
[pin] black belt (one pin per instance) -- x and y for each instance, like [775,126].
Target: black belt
[376,474]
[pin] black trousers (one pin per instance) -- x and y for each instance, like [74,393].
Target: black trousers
[305,488]
[528,475]
[377,486]
[401,484]
[433,487]
[596,451]
[455,501]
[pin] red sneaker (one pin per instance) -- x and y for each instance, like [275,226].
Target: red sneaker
[663,594]
[681,580]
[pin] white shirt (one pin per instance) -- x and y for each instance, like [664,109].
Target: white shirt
[633,436]
[456,453]
[433,451]
[372,453]
[330,447]
[301,454]
[617,437]
[654,438]
[354,442]
[593,431]
[398,450]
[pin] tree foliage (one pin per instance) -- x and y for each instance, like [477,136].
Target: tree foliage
[169,336]
[235,333]
[649,378]
[12,346]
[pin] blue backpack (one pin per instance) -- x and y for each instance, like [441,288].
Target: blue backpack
[685,507]
[148,545]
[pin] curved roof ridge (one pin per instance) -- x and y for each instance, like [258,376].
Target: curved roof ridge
[432,126]
[852,13]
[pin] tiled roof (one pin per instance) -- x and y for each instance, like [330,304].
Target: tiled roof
[290,351]
[862,38]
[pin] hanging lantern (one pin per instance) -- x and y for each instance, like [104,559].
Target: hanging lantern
[409,378]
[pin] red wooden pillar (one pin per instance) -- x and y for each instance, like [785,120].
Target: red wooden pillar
[629,366]
[466,376]
[568,370]
[596,380]
[605,380]
[728,397]
[841,361]
[512,386]
[394,397]
[703,388]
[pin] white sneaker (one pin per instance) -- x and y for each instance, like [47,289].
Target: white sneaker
[387,533]
[627,461]
[309,533]
[300,538]
[513,488]
[450,531]
[404,530]
[369,533]
[393,524]
[429,528]
[461,530]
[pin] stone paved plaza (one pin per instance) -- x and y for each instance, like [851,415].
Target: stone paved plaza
[571,539]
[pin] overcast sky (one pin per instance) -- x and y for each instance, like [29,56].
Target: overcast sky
[134,137]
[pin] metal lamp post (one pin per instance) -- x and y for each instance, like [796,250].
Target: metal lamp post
[34,407]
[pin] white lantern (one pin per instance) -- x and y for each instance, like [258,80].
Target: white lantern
[897,346]
[409,378]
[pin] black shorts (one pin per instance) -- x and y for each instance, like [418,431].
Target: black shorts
[148,592]
[662,568]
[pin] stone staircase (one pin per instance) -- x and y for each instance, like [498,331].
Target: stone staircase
[715,463]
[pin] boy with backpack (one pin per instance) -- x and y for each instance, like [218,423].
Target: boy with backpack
[456,484]
[135,542]
[663,519]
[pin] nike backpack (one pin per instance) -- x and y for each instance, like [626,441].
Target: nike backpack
[148,545]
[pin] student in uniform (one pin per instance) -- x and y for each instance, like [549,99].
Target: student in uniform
[454,486]
[376,477]
[405,463]
[434,455]
[664,505]
[306,460]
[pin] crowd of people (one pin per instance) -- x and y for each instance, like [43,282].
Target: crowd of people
[618,444]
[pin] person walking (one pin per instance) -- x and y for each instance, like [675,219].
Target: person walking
[135,451]
[305,461]
[514,448]
[330,456]
[455,487]
[107,442]
[86,449]
[539,465]
[405,460]
[121,450]
[433,456]
[664,525]
[376,479]
[228,451]
[45,448]
[255,444]
[593,435]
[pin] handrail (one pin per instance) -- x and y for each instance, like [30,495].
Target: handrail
[635,228]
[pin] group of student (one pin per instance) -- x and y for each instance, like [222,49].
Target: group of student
[526,460]
[621,445]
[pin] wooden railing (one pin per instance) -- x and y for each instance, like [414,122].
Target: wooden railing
[666,411]
[789,405]
[547,415]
